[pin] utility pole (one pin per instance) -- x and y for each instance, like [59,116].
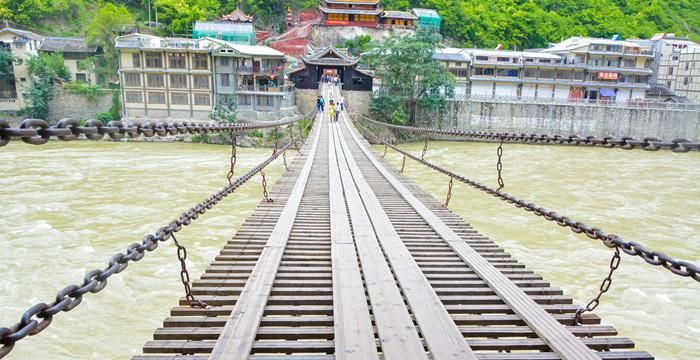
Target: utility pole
[149,13]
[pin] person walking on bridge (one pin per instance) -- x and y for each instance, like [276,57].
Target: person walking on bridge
[332,114]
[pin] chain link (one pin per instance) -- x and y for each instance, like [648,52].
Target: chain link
[38,317]
[284,159]
[264,186]
[403,164]
[185,276]
[604,287]
[627,143]
[425,148]
[449,193]
[678,267]
[37,131]
[499,166]
[233,159]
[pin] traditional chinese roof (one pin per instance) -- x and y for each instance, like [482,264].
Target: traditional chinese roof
[237,16]
[23,33]
[330,56]
[374,12]
[66,45]
[399,15]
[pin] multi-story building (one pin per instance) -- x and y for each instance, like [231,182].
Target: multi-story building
[398,19]
[667,48]
[456,61]
[24,44]
[614,70]
[185,79]
[687,75]
[351,12]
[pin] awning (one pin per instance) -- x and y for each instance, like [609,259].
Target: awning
[607,92]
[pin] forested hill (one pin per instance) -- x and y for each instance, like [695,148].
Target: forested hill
[482,23]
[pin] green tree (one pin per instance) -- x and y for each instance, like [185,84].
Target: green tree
[109,20]
[44,69]
[358,45]
[409,74]
[180,15]
[6,71]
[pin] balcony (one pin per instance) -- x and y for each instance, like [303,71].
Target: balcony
[267,89]
[260,70]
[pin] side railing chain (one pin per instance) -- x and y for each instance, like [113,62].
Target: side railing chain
[678,267]
[39,317]
[627,143]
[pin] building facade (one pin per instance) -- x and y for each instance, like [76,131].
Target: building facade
[351,12]
[398,19]
[24,44]
[186,79]
[687,75]
[428,19]
[458,63]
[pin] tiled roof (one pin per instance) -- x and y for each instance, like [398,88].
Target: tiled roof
[237,16]
[352,11]
[330,56]
[399,15]
[66,44]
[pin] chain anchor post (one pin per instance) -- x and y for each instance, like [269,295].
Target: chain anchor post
[499,165]
[185,276]
[266,195]
[604,287]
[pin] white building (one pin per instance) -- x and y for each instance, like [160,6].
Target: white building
[457,62]
[614,70]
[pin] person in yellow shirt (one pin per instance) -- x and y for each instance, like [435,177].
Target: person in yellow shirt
[331,111]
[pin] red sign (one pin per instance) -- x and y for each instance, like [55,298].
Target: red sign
[608,76]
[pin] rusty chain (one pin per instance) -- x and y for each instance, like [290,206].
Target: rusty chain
[425,148]
[627,143]
[266,195]
[38,317]
[449,193]
[185,276]
[632,248]
[403,164]
[499,166]
[37,131]
[233,159]
[604,287]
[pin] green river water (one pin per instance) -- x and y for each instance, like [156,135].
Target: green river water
[66,208]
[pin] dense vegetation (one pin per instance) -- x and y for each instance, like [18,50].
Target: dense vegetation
[513,23]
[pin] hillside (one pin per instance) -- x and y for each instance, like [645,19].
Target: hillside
[513,23]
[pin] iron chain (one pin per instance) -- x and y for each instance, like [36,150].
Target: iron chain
[627,143]
[449,193]
[185,276]
[499,166]
[604,287]
[678,267]
[233,159]
[266,196]
[37,131]
[403,164]
[284,159]
[425,148]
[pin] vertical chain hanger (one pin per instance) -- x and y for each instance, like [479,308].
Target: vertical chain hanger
[499,166]
[230,174]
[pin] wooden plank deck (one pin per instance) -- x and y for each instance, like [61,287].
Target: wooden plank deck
[353,261]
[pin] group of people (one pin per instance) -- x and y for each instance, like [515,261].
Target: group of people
[334,108]
[331,79]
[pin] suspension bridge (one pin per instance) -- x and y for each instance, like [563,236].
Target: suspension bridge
[344,258]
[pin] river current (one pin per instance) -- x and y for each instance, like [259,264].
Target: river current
[68,207]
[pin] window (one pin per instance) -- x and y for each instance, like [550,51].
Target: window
[178,81]
[132,79]
[200,81]
[685,80]
[503,59]
[483,72]
[18,45]
[22,79]
[530,73]
[578,75]
[224,80]
[179,99]
[628,63]
[244,100]
[459,72]
[136,60]
[545,61]
[507,73]
[200,61]
[134,97]
[670,71]
[687,66]
[529,60]
[674,57]
[201,99]
[482,58]
[177,61]
[548,74]
[156,98]
[154,60]
[82,77]
[225,61]
[668,83]
[563,75]
[265,100]
[155,80]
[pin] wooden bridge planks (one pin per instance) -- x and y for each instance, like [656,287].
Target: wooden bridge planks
[304,314]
